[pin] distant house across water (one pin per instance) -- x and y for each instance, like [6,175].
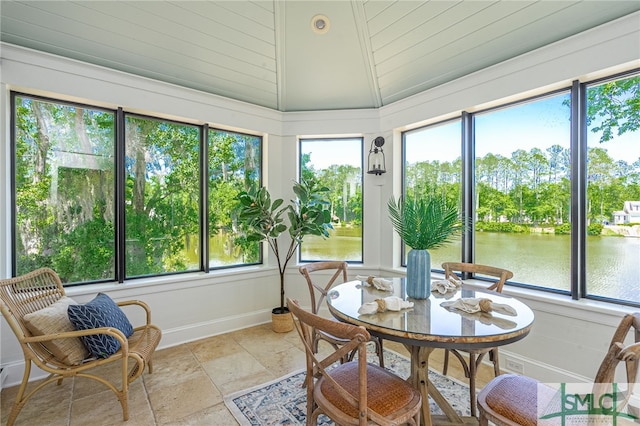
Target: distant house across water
[629,214]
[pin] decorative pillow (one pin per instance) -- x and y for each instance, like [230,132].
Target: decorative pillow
[54,319]
[100,312]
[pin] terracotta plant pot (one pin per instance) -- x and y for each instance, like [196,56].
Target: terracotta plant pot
[281,322]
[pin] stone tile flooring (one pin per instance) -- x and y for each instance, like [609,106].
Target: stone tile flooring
[187,384]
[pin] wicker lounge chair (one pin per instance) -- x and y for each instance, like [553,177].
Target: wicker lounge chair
[35,307]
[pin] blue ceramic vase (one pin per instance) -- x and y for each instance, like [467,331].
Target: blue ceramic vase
[418,274]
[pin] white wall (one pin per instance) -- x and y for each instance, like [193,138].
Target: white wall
[569,337]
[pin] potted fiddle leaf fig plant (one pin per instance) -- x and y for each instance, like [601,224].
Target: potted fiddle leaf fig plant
[262,219]
[423,223]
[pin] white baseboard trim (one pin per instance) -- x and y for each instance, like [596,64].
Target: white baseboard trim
[545,373]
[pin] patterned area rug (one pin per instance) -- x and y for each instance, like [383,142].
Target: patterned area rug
[283,401]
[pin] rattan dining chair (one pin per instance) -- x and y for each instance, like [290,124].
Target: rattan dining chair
[36,309]
[318,293]
[355,392]
[514,400]
[452,269]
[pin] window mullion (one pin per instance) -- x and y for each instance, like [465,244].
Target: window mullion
[468,186]
[204,198]
[120,178]
[578,189]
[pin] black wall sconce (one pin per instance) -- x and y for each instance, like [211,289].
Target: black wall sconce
[376,157]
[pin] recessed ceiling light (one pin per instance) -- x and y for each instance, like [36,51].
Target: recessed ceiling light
[320,24]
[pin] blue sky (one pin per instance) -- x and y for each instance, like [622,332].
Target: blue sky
[538,124]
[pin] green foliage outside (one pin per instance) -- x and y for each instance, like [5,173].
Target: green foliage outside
[65,186]
[345,202]
[502,227]
[595,229]
[65,192]
[532,189]
[564,229]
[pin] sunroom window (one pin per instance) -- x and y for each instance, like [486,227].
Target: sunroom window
[336,164]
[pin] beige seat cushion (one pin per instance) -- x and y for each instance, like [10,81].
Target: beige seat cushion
[54,319]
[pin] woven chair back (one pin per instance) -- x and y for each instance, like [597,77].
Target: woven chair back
[317,291]
[450,269]
[26,294]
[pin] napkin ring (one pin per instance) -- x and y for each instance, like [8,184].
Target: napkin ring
[485,305]
[382,305]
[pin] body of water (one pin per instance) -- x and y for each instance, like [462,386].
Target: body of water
[613,262]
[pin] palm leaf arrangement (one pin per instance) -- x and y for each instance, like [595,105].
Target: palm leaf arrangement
[425,223]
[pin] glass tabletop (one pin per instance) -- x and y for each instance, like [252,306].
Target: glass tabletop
[428,323]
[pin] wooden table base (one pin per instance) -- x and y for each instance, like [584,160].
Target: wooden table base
[420,380]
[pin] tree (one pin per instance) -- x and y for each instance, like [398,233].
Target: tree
[599,166]
[614,108]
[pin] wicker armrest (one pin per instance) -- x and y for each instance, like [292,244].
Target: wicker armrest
[140,304]
[114,332]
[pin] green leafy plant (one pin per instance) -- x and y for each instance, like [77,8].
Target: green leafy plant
[261,219]
[425,223]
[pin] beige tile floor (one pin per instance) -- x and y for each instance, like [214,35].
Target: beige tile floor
[187,384]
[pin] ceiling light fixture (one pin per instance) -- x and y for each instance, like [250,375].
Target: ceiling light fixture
[320,24]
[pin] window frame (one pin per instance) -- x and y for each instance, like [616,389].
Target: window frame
[301,140]
[119,153]
[578,159]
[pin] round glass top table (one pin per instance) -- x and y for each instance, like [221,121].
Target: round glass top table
[428,325]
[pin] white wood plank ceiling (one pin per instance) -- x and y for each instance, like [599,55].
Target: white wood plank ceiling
[266,52]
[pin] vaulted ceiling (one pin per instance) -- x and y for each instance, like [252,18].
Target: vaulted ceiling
[268,53]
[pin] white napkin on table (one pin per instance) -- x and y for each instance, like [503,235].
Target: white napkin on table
[445,286]
[379,283]
[391,303]
[472,305]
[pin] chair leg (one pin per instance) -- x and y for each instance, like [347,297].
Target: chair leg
[21,398]
[494,357]
[19,402]
[472,382]
[482,420]
[445,365]
[380,351]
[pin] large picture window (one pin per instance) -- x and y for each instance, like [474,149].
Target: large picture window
[613,189]
[234,166]
[336,164]
[161,196]
[530,210]
[64,189]
[432,165]
[97,204]
[523,192]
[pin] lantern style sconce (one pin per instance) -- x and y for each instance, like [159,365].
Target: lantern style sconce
[376,157]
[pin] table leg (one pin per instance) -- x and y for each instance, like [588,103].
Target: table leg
[420,380]
[420,362]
